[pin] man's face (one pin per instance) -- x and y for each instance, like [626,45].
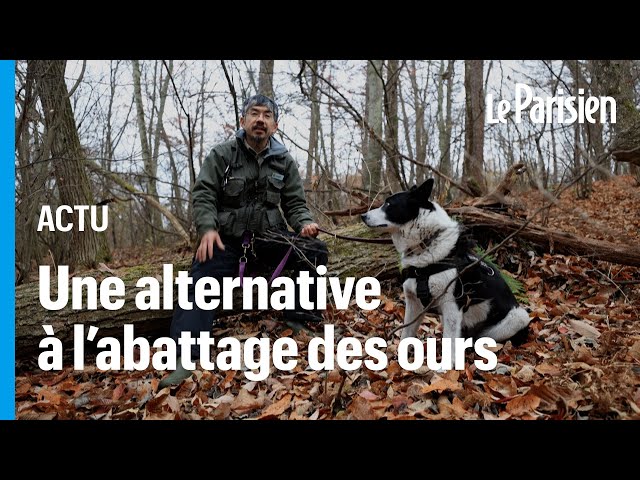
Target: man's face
[259,123]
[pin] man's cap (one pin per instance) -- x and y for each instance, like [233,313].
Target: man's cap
[260,100]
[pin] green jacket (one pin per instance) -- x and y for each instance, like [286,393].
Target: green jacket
[249,194]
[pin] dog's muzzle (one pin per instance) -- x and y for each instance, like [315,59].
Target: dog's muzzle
[367,221]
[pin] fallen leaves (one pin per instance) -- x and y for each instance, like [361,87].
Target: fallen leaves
[581,360]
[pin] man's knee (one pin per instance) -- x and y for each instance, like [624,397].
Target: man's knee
[222,263]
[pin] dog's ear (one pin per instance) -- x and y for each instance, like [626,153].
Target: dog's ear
[424,192]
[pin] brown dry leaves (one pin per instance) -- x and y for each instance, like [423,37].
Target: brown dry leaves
[581,359]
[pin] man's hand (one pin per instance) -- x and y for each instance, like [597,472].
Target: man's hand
[205,250]
[310,230]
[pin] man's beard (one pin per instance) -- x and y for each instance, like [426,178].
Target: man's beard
[257,138]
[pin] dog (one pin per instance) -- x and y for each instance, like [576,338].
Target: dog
[441,271]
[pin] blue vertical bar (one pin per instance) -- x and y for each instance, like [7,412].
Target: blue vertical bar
[7,241]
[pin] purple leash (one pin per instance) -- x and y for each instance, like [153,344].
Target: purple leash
[247,241]
[280,267]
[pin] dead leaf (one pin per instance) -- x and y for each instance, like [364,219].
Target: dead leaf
[455,409]
[117,393]
[584,329]
[49,396]
[245,402]
[277,408]
[173,404]
[400,402]
[442,385]
[368,395]
[502,385]
[452,375]
[531,282]
[360,409]
[222,412]
[23,388]
[526,374]
[523,404]
[547,369]
[228,378]
[38,416]
[583,354]
[103,268]
[596,300]
[334,376]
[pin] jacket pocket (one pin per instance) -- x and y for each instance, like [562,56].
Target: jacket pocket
[233,191]
[275,219]
[273,192]
[226,222]
[223,218]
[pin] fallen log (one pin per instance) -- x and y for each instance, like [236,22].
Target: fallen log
[553,241]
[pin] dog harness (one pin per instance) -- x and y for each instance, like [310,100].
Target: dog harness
[459,259]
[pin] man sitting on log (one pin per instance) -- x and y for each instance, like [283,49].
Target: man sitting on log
[243,186]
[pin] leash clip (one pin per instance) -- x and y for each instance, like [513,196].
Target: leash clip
[247,241]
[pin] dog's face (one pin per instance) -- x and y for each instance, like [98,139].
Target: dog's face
[400,208]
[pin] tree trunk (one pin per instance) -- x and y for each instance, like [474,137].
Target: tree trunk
[265,81]
[421,140]
[176,190]
[150,163]
[312,152]
[372,164]
[445,123]
[615,78]
[88,247]
[30,171]
[580,160]
[473,169]
[407,139]
[391,132]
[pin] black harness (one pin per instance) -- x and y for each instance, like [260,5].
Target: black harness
[460,258]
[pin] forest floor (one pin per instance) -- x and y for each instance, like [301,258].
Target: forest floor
[581,359]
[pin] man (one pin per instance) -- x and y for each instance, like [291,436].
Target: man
[242,185]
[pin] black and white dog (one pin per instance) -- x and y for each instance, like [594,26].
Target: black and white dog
[441,271]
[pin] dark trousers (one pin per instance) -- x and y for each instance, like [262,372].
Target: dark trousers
[269,249]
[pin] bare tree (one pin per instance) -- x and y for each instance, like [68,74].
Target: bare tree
[391,130]
[473,165]
[265,81]
[32,171]
[443,115]
[314,124]
[615,78]
[87,247]
[419,105]
[580,161]
[372,150]
[150,162]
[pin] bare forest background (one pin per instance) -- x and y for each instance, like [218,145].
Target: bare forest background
[134,134]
